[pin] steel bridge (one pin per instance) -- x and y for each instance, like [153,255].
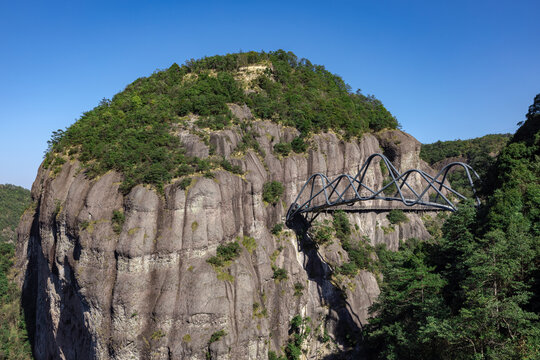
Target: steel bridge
[319,193]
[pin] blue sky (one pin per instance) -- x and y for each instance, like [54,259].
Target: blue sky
[445,69]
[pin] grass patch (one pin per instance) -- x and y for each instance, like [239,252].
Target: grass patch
[158,334]
[249,243]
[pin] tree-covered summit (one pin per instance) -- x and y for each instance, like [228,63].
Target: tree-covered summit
[134,132]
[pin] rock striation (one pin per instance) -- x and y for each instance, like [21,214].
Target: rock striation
[113,276]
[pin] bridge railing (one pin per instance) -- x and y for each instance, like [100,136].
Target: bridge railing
[320,193]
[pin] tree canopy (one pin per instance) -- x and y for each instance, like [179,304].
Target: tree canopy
[134,133]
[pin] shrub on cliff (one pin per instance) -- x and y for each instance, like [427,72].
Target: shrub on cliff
[396,216]
[225,253]
[272,191]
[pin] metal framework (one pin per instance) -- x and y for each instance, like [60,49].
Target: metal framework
[323,193]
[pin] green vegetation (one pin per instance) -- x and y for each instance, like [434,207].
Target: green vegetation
[359,252]
[298,145]
[277,229]
[14,343]
[480,153]
[434,225]
[158,334]
[477,151]
[473,293]
[283,149]
[118,219]
[299,331]
[342,226]
[184,183]
[259,311]
[396,217]
[298,289]
[13,201]
[216,336]
[272,191]
[134,133]
[249,243]
[226,165]
[280,274]
[322,233]
[225,253]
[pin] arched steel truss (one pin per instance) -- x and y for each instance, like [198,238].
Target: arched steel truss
[346,190]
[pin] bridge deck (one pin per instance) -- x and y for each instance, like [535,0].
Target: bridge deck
[415,208]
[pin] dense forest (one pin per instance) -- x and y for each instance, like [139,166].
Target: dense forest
[13,340]
[474,291]
[134,132]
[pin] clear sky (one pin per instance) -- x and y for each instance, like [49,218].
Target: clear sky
[445,69]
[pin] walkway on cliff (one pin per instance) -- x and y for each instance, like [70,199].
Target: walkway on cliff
[345,192]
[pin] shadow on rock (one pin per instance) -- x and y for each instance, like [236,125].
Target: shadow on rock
[341,319]
[71,338]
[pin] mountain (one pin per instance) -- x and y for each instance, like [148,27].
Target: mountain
[158,230]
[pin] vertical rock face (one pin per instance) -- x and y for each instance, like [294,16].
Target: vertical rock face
[98,284]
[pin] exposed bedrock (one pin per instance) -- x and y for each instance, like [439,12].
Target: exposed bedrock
[97,288]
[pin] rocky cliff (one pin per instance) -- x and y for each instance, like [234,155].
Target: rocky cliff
[107,275]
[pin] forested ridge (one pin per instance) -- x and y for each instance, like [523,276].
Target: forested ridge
[134,132]
[475,151]
[474,291]
[13,338]
[13,201]
[481,153]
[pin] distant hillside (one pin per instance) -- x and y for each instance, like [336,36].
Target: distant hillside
[13,201]
[474,151]
[13,339]
[480,153]
[134,133]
